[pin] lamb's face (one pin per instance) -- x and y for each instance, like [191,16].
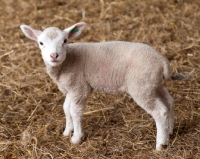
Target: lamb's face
[53,41]
[53,44]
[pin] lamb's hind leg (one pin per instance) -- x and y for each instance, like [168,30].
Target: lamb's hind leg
[152,103]
[168,100]
[69,123]
[161,116]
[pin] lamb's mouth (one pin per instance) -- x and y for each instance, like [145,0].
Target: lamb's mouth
[55,61]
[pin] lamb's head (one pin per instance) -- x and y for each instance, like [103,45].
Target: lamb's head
[53,41]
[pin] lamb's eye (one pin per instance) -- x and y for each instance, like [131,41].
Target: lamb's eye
[65,40]
[41,43]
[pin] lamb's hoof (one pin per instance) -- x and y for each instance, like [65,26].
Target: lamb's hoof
[161,147]
[77,139]
[67,132]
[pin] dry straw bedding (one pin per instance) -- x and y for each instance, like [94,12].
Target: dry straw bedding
[31,115]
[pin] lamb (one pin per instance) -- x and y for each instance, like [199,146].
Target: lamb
[81,68]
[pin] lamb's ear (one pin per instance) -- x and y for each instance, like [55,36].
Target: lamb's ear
[30,32]
[75,30]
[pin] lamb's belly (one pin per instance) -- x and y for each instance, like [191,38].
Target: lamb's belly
[109,90]
[108,87]
[109,79]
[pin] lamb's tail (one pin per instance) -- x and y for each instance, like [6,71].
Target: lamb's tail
[166,70]
[168,75]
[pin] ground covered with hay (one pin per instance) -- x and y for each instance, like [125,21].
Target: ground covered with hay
[31,115]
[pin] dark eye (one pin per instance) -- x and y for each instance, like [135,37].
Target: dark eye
[65,40]
[41,43]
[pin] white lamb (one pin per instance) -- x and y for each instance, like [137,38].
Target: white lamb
[82,68]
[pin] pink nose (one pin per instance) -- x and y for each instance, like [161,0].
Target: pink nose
[54,56]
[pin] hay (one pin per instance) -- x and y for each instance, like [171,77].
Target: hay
[31,115]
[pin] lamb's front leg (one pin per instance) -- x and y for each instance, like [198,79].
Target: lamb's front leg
[76,111]
[69,124]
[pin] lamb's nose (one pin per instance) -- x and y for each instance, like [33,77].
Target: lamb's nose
[54,56]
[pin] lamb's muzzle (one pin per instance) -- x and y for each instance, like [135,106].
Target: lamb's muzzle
[82,68]
[54,57]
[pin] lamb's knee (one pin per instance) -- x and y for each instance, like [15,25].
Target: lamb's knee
[160,114]
[76,110]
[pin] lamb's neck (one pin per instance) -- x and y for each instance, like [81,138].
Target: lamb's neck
[53,71]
